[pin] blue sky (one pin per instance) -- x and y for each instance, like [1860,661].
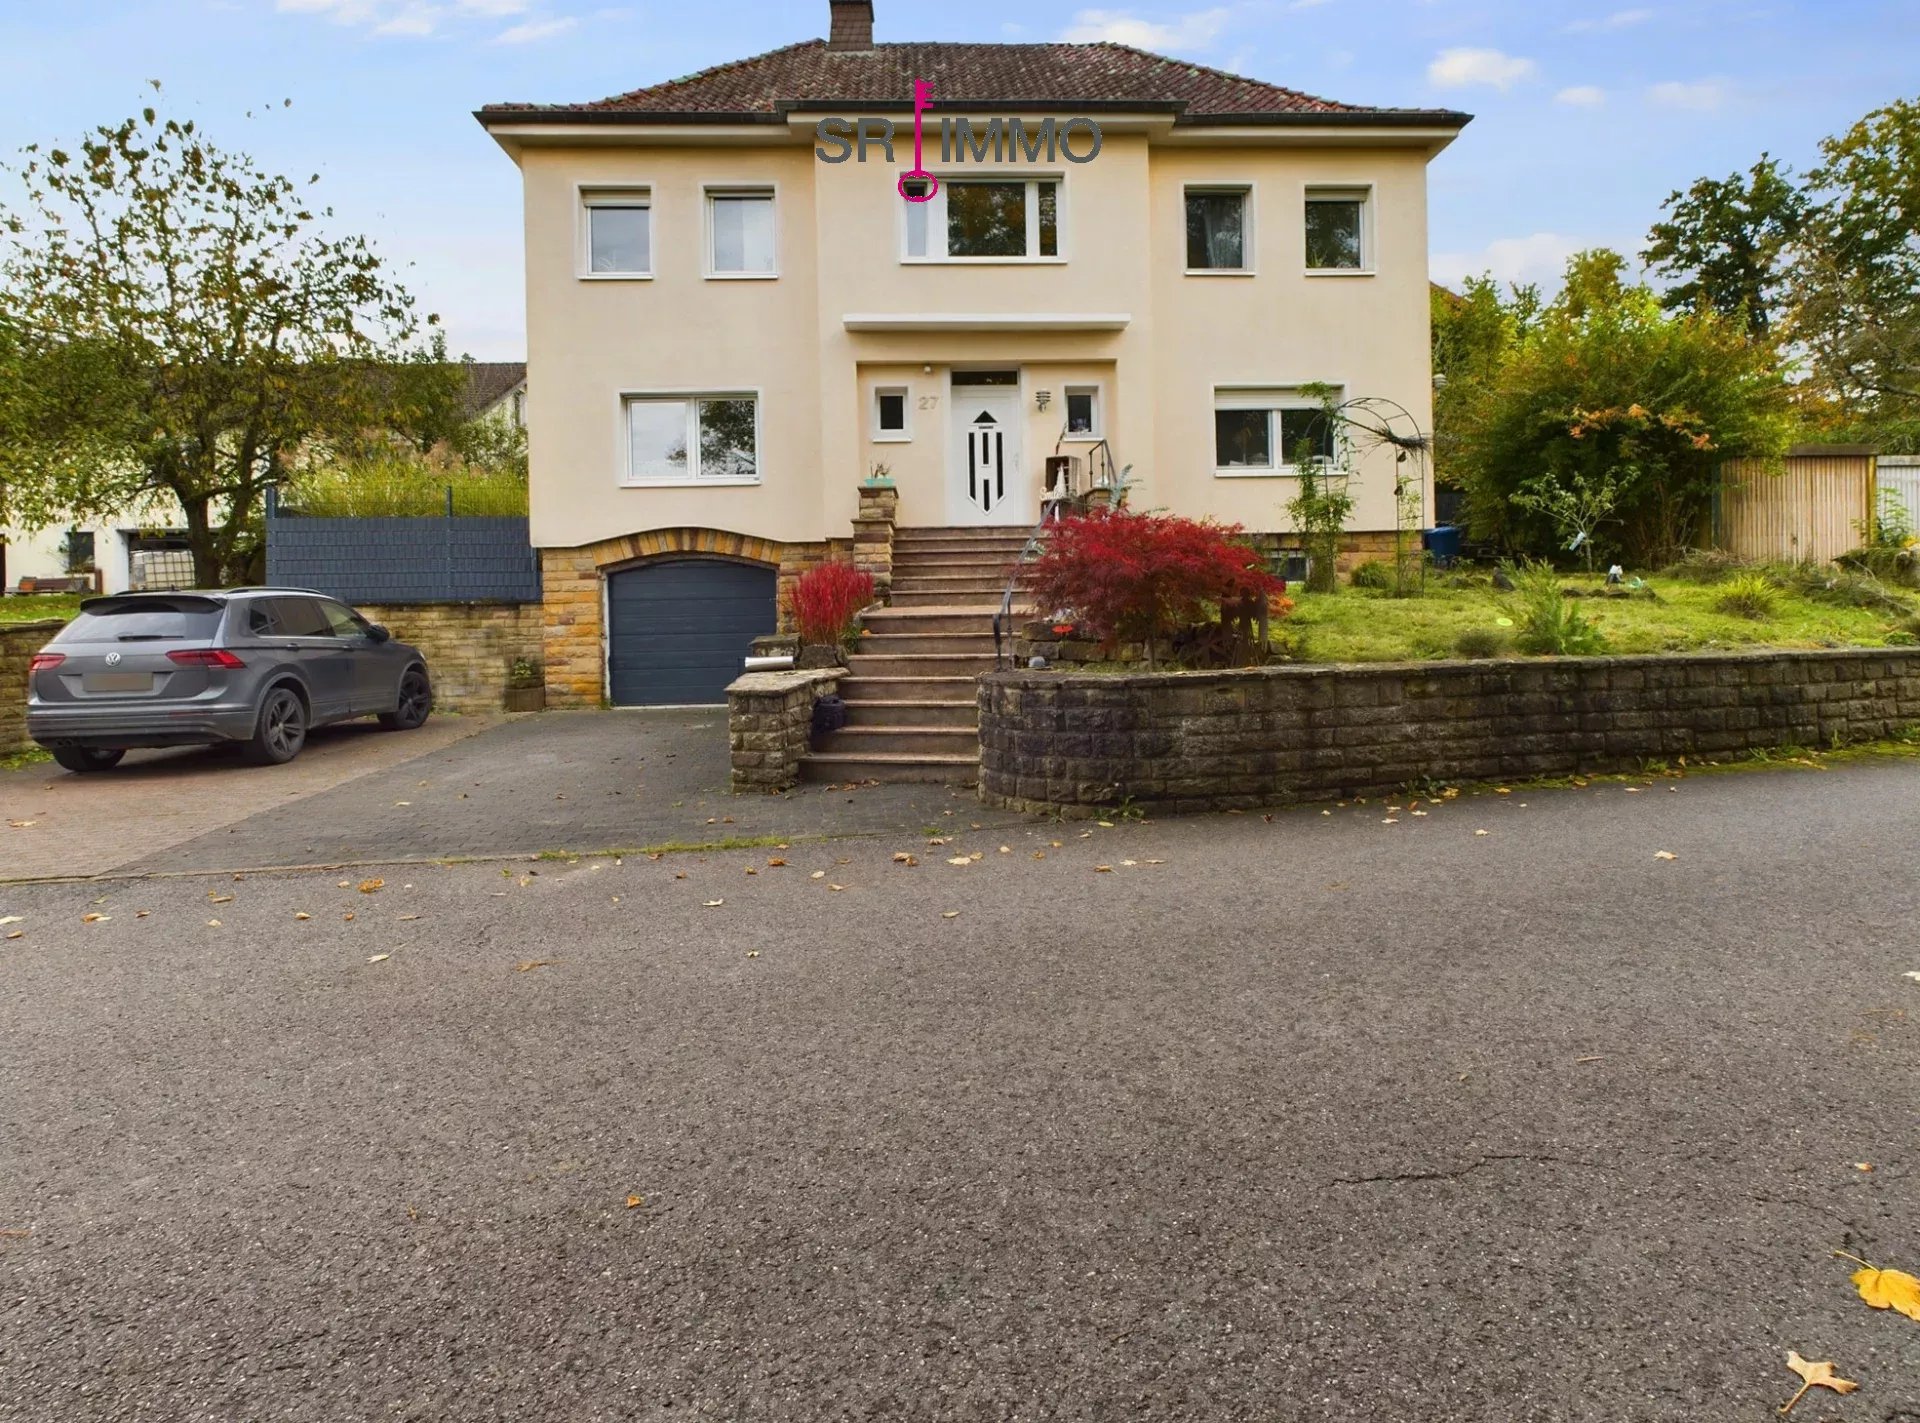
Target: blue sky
[1589,111]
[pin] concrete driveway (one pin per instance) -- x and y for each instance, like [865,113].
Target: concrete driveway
[1320,1119]
[461,787]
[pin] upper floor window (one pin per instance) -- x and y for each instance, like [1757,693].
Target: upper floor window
[741,233]
[1218,230]
[708,439]
[1272,431]
[986,220]
[1337,236]
[619,233]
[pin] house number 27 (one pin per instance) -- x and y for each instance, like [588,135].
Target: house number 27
[929,402]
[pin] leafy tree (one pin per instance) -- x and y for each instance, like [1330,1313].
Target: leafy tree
[1724,242]
[1856,282]
[174,323]
[1473,330]
[1606,387]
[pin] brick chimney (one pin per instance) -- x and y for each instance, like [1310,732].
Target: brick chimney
[852,25]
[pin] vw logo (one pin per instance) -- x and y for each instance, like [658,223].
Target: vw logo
[113,659]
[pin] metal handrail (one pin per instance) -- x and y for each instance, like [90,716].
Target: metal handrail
[1049,513]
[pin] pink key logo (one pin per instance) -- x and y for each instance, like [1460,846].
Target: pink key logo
[918,175]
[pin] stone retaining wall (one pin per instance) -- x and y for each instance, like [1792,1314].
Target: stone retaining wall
[470,647]
[1076,742]
[18,643]
[769,723]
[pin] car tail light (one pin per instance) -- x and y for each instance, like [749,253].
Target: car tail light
[46,661]
[205,657]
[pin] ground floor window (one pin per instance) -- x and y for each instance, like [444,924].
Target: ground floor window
[704,439]
[1268,431]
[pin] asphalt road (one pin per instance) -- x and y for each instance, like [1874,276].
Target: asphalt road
[1321,1119]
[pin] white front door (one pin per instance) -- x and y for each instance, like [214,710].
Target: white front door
[986,482]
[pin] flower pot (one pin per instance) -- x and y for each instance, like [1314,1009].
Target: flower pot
[526,699]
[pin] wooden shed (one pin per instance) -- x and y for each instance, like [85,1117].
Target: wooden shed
[1811,511]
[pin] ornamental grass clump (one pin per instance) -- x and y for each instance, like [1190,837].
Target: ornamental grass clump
[1551,625]
[826,603]
[1128,577]
[1751,595]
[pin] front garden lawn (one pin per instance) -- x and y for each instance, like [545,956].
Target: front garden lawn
[37,607]
[1361,625]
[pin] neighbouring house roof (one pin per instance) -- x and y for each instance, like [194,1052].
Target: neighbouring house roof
[489,383]
[1078,77]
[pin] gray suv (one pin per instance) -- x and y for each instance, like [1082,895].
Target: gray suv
[259,666]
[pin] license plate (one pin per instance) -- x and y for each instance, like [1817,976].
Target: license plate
[119,681]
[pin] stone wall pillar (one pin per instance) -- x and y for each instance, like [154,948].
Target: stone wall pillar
[873,534]
[571,632]
[770,726]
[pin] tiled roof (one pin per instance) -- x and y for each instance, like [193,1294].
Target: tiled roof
[488,383]
[1089,77]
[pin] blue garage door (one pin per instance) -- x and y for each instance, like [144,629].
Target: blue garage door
[679,629]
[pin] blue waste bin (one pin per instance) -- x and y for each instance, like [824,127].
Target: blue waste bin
[1443,543]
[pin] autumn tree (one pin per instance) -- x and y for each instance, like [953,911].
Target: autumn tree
[174,324]
[1724,243]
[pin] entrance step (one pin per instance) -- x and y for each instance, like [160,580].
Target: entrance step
[917,741]
[954,715]
[932,664]
[963,533]
[976,641]
[983,602]
[908,689]
[895,767]
[935,618]
[969,561]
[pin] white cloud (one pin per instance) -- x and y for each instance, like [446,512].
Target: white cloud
[1465,68]
[1541,257]
[413,18]
[1618,20]
[1305,4]
[1582,96]
[1197,30]
[535,30]
[1700,95]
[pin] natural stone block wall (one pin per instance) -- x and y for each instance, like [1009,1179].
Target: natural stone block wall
[1223,740]
[873,535]
[769,723]
[571,582]
[470,647]
[18,643]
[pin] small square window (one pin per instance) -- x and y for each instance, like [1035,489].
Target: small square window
[1217,231]
[741,227]
[619,235]
[1083,412]
[890,414]
[1336,232]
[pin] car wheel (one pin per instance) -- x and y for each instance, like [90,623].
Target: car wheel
[415,704]
[281,730]
[87,758]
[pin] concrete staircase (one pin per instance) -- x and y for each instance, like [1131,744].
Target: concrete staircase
[912,708]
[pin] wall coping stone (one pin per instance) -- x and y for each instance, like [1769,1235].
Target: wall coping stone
[767,684]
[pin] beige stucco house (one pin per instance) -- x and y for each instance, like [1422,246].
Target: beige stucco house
[736,320]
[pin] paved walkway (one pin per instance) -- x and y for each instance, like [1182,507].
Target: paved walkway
[1321,1120]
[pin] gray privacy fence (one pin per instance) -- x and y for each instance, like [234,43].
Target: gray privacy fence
[463,559]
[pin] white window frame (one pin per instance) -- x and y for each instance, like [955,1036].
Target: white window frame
[638,195]
[1099,394]
[904,435]
[936,211]
[710,191]
[1249,226]
[1285,395]
[691,399]
[1361,193]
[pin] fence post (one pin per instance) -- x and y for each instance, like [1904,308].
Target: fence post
[446,589]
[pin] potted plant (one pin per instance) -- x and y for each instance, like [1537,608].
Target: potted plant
[826,603]
[526,686]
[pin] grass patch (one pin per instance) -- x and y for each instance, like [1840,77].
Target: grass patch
[402,488]
[1683,615]
[38,607]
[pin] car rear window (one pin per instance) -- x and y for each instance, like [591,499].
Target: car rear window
[143,620]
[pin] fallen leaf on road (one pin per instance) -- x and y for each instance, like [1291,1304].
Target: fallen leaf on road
[1597,1057]
[1104,824]
[22,824]
[1814,1376]
[1863,1166]
[1153,862]
[17,934]
[818,874]
[213,898]
[1483,832]
[303,916]
[1128,864]
[529,965]
[836,888]
[1103,869]
[635,1202]
[1039,854]
[213,923]
[348,884]
[751,870]
[901,857]
[776,864]
[1915,975]
[95,918]
[348,916]
[142,913]
[1054,843]
[1889,1289]
[753,953]
[1390,820]
[950,914]
[372,886]
[1006,849]
[379,958]
[962,860]
[1665,855]
[405,917]
[714,903]
[14,1234]
[941,840]
[399,803]
[14,919]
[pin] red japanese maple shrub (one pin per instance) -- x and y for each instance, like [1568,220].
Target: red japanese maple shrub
[826,600]
[1130,577]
